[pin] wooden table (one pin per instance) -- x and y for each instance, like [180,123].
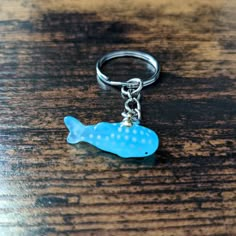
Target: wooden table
[48,51]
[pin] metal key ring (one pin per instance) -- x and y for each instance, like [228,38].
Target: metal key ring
[127,53]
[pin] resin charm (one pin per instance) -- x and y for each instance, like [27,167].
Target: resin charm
[136,141]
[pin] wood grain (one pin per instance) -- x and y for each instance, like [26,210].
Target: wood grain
[48,51]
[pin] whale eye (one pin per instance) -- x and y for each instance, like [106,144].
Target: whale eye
[146,153]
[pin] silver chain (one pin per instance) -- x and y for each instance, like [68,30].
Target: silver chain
[132,94]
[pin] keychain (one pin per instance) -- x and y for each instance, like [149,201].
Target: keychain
[127,138]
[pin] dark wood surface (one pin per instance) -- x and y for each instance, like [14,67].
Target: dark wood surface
[48,51]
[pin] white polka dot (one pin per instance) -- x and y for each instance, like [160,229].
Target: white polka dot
[99,137]
[106,138]
[120,129]
[112,135]
[141,132]
[143,140]
[126,137]
[118,136]
[127,130]
[82,138]
[134,131]
[134,139]
[91,136]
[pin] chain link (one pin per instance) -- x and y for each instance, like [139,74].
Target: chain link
[132,94]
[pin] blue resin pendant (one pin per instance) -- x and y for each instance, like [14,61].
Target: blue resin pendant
[135,141]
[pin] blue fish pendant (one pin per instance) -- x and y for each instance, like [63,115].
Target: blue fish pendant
[136,141]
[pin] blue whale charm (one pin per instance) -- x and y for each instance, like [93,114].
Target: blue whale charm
[135,141]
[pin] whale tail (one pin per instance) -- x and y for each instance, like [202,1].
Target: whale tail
[76,129]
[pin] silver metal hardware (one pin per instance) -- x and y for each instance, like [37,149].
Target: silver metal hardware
[131,89]
[132,94]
